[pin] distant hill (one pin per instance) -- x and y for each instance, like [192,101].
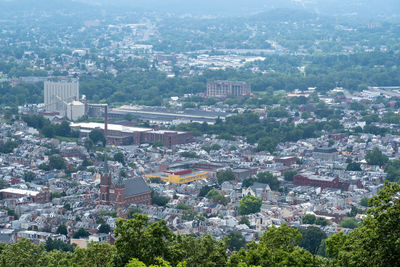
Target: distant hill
[368,9]
[373,10]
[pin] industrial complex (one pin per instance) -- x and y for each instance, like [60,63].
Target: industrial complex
[162,115]
[128,135]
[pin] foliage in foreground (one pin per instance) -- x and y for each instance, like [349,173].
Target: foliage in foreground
[141,243]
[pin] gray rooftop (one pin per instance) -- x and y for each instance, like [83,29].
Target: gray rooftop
[136,186]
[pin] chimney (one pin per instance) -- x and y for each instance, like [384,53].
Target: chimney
[105,120]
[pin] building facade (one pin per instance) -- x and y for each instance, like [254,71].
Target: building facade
[319,181]
[123,193]
[57,95]
[128,135]
[180,176]
[325,153]
[223,89]
[29,195]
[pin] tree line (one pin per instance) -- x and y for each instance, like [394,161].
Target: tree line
[267,133]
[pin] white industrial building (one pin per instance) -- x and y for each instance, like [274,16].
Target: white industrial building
[57,95]
[75,110]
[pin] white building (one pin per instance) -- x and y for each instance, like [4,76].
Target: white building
[57,95]
[75,110]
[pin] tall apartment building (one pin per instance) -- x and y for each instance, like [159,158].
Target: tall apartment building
[57,95]
[223,89]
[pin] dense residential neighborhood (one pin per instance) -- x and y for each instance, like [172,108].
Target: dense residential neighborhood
[211,133]
[94,185]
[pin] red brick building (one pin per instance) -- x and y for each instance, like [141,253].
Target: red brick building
[319,181]
[286,161]
[129,135]
[123,193]
[31,196]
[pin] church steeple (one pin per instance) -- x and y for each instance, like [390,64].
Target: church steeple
[105,166]
[105,184]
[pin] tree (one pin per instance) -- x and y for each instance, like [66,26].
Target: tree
[135,238]
[48,131]
[349,223]
[22,253]
[235,240]
[158,200]
[364,202]
[374,242]
[62,229]
[393,171]
[216,196]
[204,190]
[248,182]
[249,204]
[29,176]
[189,215]
[57,162]
[58,245]
[97,136]
[321,221]
[267,144]
[104,228]
[288,175]
[309,219]
[119,156]
[353,166]
[268,178]
[311,239]
[99,254]
[3,184]
[245,220]
[277,247]
[81,233]
[8,147]
[63,129]
[376,157]
[226,175]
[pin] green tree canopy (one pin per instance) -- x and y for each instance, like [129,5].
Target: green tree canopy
[268,178]
[119,156]
[216,196]
[226,175]
[277,247]
[235,240]
[57,162]
[376,157]
[97,136]
[249,204]
[353,166]
[375,242]
[349,223]
[81,233]
[309,219]
[62,229]
[104,228]
[311,238]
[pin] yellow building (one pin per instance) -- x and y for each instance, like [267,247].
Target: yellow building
[179,178]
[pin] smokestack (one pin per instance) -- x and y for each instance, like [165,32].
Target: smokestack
[105,120]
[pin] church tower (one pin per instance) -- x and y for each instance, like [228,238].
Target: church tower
[119,192]
[105,184]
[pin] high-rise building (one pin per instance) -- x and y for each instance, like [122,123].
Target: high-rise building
[57,95]
[223,89]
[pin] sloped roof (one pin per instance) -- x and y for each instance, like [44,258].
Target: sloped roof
[136,186]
